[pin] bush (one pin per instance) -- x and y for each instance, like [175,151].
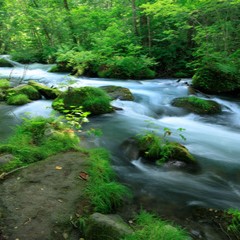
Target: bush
[19,99]
[150,227]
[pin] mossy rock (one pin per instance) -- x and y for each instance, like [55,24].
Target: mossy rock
[4,84]
[5,63]
[61,67]
[19,99]
[108,227]
[117,92]
[93,100]
[28,90]
[47,92]
[197,105]
[2,95]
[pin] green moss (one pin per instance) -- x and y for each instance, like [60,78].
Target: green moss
[149,226]
[19,99]
[117,92]
[30,91]
[4,84]
[36,139]
[93,100]
[158,149]
[47,92]
[197,105]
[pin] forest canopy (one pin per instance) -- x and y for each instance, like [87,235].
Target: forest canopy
[128,38]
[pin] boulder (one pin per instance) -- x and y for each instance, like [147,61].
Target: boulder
[2,95]
[5,158]
[28,90]
[197,105]
[117,92]
[47,92]
[107,227]
[93,100]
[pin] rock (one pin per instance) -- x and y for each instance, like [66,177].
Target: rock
[5,158]
[93,100]
[197,105]
[5,63]
[47,92]
[117,92]
[2,95]
[30,91]
[106,227]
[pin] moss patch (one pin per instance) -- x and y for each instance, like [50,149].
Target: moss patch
[4,84]
[30,91]
[197,105]
[47,92]
[19,99]
[93,100]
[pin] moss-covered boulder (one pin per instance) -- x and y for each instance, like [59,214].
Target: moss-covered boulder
[4,84]
[155,149]
[19,99]
[47,92]
[117,92]
[93,100]
[4,63]
[197,105]
[2,95]
[108,227]
[30,91]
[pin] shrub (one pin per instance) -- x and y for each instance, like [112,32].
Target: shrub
[19,99]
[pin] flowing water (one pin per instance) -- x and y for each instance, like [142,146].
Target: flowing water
[213,140]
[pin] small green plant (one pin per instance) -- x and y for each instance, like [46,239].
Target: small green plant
[103,191]
[235,222]
[148,226]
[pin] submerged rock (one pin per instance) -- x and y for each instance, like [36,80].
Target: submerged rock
[110,227]
[117,92]
[197,105]
[47,92]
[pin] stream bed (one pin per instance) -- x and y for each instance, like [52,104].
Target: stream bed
[213,140]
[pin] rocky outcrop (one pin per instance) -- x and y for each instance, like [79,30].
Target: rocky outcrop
[117,92]
[197,105]
[47,92]
[108,227]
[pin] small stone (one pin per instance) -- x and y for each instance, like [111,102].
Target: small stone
[65,235]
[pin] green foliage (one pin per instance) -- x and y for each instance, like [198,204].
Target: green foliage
[103,191]
[19,99]
[4,84]
[149,226]
[235,222]
[36,139]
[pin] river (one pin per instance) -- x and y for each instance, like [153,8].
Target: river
[213,140]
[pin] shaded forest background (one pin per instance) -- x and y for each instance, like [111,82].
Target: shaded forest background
[129,38]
